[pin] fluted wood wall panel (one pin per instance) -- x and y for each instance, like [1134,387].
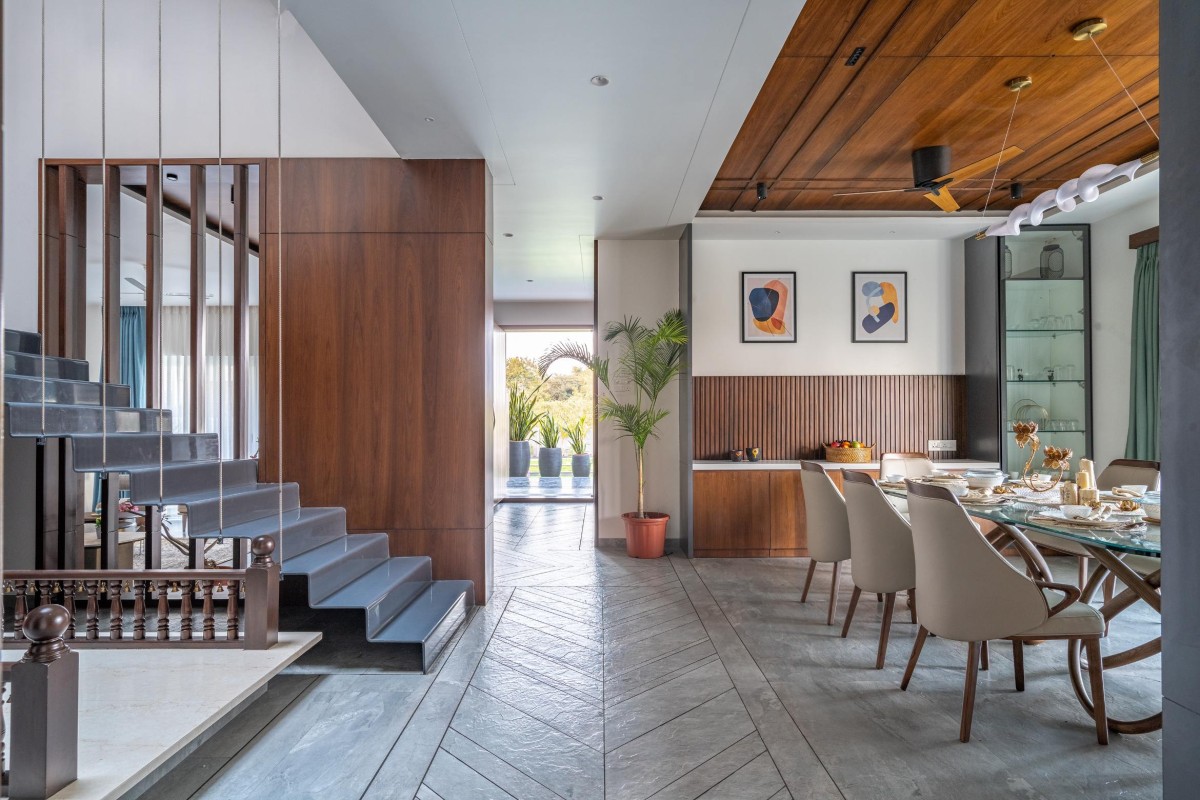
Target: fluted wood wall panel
[789,416]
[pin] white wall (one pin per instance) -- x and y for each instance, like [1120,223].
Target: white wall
[568,313]
[639,279]
[321,117]
[823,306]
[1112,321]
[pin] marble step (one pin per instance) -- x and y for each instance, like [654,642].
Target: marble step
[19,363]
[154,486]
[430,619]
[241,504]
[22,341]
[130,451]
[383,592]
[28,389]
[25,419]
[304,529]
[333,565]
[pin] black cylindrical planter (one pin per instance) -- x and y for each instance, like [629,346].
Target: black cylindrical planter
[550,461]
[581,465]
[518,459]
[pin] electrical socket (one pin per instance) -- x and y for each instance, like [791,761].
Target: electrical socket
[943,445]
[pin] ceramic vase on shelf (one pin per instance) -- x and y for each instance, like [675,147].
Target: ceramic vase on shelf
[581,465]
[550,461]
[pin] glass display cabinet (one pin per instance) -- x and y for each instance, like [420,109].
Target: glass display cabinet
[1028,354]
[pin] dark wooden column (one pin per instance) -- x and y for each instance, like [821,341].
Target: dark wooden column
[241,307]
[111,289]
[66,263]
[199,288]
[154,285]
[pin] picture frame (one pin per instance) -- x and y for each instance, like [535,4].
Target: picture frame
[768,303]
[879,307]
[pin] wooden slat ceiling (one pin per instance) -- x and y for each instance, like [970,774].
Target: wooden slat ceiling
[934,73]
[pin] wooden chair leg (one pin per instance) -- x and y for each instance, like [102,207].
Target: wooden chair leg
[879,597]
[850,611]
[912,659]
[912,606]
[833,592]
[964,728]
[888,608]
[1083,570]
[812,567]
[1096,674]
[1019,664]
[983,656]
[1110,590]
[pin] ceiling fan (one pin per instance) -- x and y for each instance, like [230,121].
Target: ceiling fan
[932,175]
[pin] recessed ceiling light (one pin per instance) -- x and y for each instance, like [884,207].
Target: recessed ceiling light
[430,119]
[777,231]
[171,176]
[891,231]
[507,235]
[529,280]
[597,197]
[599,80]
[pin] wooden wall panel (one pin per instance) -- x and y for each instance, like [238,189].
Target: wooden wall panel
[789,417]
[732,512]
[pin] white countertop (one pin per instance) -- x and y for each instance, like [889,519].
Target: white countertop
[949,464]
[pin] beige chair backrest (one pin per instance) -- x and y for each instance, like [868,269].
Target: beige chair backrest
[1127,472]
[825,513]
[909,465]
[880,538]
[966,590]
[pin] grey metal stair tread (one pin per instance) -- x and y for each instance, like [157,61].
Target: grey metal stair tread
[303,529]
[130,451]
[25,419]
[373,586]
[190,478]
[213,509]
[22,341]
[422,617]
[320,557]
[19,363]
[61,391]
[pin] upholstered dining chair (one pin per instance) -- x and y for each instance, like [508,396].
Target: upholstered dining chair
[971,593]
[908,465]
[881,542]
[828,529]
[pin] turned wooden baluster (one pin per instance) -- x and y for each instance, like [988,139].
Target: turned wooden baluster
[69,588]
[116,622]
[92,588]
[207,613]
[44,593]
[231,612]
[164,610]
[19,609]
[139,610]
[185,610]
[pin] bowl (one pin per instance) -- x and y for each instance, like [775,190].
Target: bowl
[1138,489]
[984,480]
[1077,512]
[1153,510]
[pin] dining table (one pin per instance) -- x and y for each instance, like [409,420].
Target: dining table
[1132,552]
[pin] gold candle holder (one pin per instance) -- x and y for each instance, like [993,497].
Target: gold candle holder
[1054,458]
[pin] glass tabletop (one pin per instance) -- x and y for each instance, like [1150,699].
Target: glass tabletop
[1147,542]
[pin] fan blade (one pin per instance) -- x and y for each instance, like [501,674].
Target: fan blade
[981,166]
[137,283]
[875,191]
[943,200]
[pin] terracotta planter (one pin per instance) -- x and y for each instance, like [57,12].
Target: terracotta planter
[645,536]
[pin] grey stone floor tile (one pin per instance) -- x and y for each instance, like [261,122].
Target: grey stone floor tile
[758,780]
[550,613]
[681,609]
[640,679]
[627,720]
[425,793]
[187,778]
[450,777]
[642,767]
[555,760]
[578,719]
[713,771]
[498,771]
[582,659]
[281,692]
[568,633]
[554,672]
[667,638]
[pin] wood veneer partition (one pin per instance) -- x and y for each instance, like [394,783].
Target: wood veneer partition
[790,416]
[386,298]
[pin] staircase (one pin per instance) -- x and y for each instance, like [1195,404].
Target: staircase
[403,607]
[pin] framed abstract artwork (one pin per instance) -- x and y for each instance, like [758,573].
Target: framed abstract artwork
[880,306]
[768,307]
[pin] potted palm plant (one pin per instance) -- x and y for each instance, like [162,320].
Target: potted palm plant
[647,361]
[581,462]
[549,454]
[522,419]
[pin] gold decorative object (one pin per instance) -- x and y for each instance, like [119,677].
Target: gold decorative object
[1128,505]
[1055,458]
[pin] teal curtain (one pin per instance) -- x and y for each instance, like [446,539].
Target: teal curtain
[1142,441]
[133,353]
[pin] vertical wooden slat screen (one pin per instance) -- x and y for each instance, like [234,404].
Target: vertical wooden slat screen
[198,295]
[154,285]
[111,272]
[790,416]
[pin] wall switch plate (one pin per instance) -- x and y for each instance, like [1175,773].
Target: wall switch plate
[943,445]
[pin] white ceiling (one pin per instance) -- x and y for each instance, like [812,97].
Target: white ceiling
[510,82]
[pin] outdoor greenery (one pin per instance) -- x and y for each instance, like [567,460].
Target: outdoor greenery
[523,415]
[564,396]
[548,431]
[577,436]
[647,360]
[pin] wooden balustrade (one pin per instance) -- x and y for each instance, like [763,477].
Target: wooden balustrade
[252,625]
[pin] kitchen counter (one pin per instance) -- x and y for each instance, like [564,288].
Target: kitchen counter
[949,464]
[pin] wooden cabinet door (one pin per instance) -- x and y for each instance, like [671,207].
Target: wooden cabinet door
[789,528]
[731,513]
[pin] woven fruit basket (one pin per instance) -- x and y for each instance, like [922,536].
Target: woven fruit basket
[848,455]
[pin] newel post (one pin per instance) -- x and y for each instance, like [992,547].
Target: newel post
[45,708]
[262,596]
